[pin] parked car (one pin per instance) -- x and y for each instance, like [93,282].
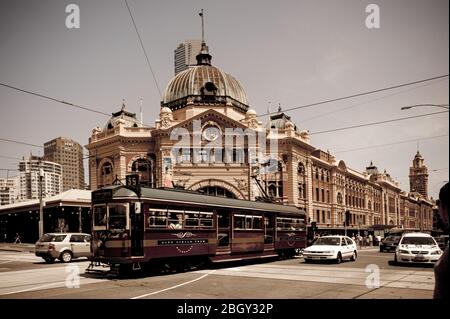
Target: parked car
[442,241]
[63,246]
[417,248]
[331,248]
[390,243]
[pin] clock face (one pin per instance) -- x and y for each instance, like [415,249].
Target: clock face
[211,133]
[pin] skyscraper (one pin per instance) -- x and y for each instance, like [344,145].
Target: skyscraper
[185,53]
[69,154]
[30,169]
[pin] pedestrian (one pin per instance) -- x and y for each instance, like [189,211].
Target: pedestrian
[17,239]
[441,269]
[370,240]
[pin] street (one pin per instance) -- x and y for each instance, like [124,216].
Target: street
[371,276]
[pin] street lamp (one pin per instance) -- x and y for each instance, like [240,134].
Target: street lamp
[444,106]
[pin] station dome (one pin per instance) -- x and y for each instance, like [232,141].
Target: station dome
[204,84]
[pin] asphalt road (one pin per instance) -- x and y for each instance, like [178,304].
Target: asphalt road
[22,275]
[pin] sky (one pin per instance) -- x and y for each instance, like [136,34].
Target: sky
[286,52]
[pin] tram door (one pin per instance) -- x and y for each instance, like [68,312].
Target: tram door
[137,229]
[223,230]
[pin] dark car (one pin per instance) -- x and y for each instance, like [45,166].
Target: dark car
[442,241]
[390,243]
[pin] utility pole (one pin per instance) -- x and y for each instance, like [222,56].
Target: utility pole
[80,225]
[41,210]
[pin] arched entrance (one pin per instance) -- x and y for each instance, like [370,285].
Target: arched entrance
[217,188]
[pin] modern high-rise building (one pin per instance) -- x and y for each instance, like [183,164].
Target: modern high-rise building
[185,55]
[418,176]
[69,154]
[9,190]
[29,171]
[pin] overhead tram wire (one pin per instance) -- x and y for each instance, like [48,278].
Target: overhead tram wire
[357,95]
[60,101]
[19,142]
[389,144]
[143,49]
[376,123]
[371,101]
[54,99]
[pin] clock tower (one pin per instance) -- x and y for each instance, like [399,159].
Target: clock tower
[418,176]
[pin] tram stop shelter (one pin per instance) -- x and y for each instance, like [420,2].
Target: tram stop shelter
[66,212]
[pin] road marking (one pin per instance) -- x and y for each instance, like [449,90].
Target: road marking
[336,275]
[173,287]
[33,288]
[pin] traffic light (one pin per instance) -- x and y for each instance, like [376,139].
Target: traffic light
[347,218]
[313,226]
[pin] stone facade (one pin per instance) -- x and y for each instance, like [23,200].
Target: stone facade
[204,109]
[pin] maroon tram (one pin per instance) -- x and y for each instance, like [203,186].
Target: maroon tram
[132,228]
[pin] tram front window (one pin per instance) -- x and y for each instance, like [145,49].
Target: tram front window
[117,216]
[100,215]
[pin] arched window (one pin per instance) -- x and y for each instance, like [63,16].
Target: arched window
[339,198]
[216,191]
[106,174]
[301,169]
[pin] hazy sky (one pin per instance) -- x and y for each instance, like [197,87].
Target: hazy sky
[289,52]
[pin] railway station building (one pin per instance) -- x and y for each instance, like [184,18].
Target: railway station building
[208,139]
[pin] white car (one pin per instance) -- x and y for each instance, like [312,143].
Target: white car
[331,248]
[417,248]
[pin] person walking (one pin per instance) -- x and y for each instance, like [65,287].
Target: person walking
[17,239]
[441,269]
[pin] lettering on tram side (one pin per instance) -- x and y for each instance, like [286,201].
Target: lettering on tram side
[226,308]
[182,241]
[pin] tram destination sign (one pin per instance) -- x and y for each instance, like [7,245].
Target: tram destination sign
[101,195]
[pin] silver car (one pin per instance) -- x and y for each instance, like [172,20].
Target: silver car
[63,246]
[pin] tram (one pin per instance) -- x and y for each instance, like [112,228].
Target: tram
[133,227]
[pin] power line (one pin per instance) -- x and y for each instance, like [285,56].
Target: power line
[389,144]
[143,49]
[9,157]
[376,123]
[369,102]
[54,99]
[357,95]
[19,142]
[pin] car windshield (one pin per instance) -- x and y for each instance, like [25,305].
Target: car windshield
[334,241]
[392,239]
[52,238]
[418,241]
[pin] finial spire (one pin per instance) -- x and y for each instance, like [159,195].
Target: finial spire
[123,104]
[279,107]
[203,26]
[203,58]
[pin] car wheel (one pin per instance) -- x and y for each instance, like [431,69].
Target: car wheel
[395,259]
[307,261]
[339,258]
[353,258]
[66,256]
[49,260]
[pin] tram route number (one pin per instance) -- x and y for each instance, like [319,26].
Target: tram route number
[226,308]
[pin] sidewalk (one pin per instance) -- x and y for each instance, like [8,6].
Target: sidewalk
[17,247]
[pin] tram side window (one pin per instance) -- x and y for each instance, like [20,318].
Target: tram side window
[257,222]
[223,219]
[157,218]
[175,219]
[284,223]
[198,219]
[247,222]
[206,219]
[239,222]
[100,215]
[117,217]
